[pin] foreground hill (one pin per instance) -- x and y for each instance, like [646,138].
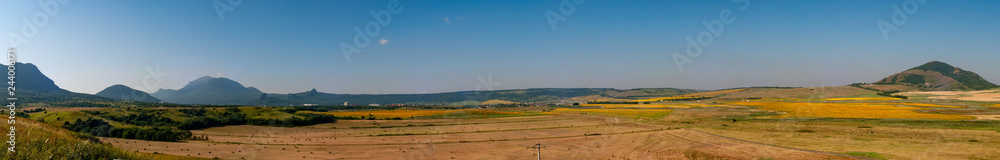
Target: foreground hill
[123,92]
[37,140]
[208,90]
[939,76]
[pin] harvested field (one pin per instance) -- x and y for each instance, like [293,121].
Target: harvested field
[565,136]
[984,95]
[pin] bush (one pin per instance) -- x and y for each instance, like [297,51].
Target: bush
[98,127]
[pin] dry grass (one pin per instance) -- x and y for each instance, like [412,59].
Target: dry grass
[567,136]
[633,105]
[801,93]
[983,95]
[382,114]
[848,110]
[37,140]
[894,141]
[637,113]
[687,96]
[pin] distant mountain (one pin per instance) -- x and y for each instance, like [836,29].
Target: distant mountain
[123,92]
[31,86]
[29,78]
[208,90]
[939,76]
[545,95]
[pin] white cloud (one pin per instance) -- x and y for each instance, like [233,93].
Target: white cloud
[383,41]
[446,20]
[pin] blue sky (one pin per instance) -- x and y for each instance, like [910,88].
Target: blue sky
[294,46]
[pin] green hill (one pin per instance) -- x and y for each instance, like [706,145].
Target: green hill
[939,76]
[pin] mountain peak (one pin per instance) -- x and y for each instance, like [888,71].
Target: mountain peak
[123,92]
[937,66]
[116,86]
[30,78]
[936,75]
[210,90]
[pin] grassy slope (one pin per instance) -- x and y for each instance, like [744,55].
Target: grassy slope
[37,140]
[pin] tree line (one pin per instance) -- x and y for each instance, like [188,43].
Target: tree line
[99,127]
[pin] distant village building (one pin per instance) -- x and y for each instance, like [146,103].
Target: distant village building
[374,105]
[310,105]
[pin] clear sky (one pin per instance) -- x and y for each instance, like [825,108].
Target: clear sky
[441,46]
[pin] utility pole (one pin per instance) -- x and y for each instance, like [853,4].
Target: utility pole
[538,147]
[432,147]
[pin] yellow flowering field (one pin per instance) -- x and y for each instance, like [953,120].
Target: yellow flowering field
[863,99]
[924,105]
[638,113]
[848,110]
[412,113]
[996,105]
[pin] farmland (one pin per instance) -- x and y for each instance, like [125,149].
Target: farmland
[760,129]
[658,105]
[862,125]
[848,110]
[637,113]
[863,99]
[690,96]
[408,114]
[574,136]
